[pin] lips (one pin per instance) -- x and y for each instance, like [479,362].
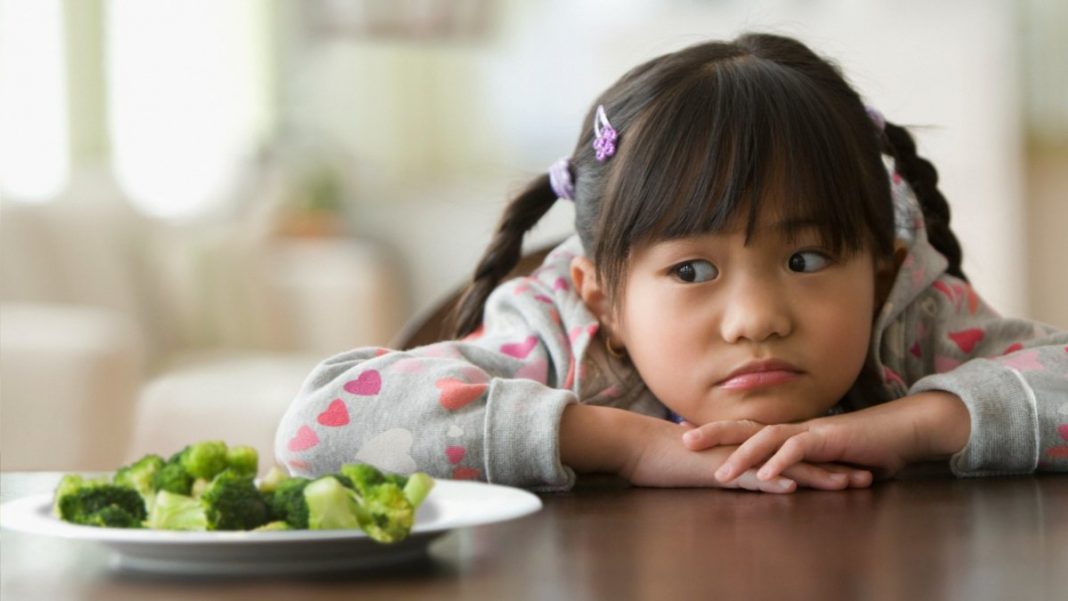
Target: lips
[760,374]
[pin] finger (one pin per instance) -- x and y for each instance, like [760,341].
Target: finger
[755,450]
[749,481]
[792,451]
[858,477]
[720,433]
[815,476]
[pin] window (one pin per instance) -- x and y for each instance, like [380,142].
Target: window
[186,83]
[34,137]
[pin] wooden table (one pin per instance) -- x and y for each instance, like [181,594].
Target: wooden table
[909,539]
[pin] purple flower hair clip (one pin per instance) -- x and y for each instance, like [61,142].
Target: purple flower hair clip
[605,135]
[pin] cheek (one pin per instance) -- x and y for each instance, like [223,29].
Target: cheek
[843,331]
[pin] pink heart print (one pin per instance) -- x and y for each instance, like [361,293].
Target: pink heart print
[367,384]
[335,415]
[455,454]
[456,394]
[305,439]
[520,350]
[967,339]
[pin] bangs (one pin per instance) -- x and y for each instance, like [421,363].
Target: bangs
[739,138]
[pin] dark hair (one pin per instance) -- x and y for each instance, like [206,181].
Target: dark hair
[713,130]
[923,178]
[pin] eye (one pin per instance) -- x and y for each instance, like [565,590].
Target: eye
[695,271]
[808,261]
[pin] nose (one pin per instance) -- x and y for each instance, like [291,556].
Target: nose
[756,309]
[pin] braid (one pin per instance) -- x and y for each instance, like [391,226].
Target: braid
[923,177]
[503,253]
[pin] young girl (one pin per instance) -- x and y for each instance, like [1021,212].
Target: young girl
[759,258]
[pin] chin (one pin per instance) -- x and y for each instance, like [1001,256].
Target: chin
[771,411]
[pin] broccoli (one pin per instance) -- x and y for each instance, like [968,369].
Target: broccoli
[141,476]
[244,460]
[331,505]
[209,486]
[232,502]
[98,503]
[358,496]
[288,503]
[417,488]
[203,459]
[273,478]
[172,511]
[386,502]
[173,477]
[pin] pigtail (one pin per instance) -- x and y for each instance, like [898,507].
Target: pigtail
[923,177]
[503,253]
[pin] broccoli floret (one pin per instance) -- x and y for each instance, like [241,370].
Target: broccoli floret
[288,504]
[172,511]
[385,514]
[173,477]
[270,481]
[67,485]
[141,476]
[98,503]
[244,460]
[203,459]
[386,502]
[232,502]
[330,504]
[417,488]
[364,477]
[114,516]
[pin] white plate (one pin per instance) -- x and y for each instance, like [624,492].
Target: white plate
[451,504]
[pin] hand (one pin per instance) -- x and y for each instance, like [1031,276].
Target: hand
[649,452]
[926,426]
[663,461]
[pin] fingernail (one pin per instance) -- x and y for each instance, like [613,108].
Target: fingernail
[692,436]
[764,473]
[783,484]
[723,472]
[838,476]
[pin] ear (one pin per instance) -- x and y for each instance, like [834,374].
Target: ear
[584,276]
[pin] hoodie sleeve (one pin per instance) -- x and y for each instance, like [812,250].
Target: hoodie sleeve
[1011,373]
[936,333]
[485,408]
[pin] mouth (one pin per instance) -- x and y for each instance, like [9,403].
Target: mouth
[760,374]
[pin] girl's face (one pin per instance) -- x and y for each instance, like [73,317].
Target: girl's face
[774,331]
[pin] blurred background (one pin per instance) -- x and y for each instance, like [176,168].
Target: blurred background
[200,199]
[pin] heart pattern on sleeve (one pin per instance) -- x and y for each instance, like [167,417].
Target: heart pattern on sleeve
[336,415]
[369,383]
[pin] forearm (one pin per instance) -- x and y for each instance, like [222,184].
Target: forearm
[926,426]
[597,439]
[944,424]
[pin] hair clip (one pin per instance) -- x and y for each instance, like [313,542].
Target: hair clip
[605,142]
[560,179]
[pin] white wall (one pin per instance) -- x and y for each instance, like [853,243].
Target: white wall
[441,133]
